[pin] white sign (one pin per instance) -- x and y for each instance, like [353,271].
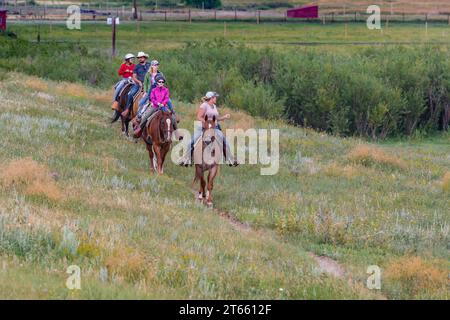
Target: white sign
[109,21]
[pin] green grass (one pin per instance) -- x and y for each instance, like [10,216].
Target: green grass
[157,242]
[159,35]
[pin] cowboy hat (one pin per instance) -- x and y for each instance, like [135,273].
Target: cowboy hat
[129,56]
[142,54]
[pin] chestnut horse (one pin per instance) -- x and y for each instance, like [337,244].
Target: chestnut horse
[209,161]
[157,135]
[118,109]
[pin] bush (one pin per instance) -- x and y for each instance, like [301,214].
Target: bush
[257,100]
[375,93]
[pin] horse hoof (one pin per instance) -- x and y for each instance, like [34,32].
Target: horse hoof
[209,204]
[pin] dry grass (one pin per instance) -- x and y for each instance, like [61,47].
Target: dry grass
[239,119]
[414,275]
[36,84]
[347,171]
[370,155]
[128,264]
[446,182]
[31,177]
[79,91]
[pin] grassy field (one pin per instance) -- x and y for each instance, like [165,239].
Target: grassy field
[75,192]
[159,35]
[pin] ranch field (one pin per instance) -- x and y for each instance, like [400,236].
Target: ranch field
[153,36]
[76,192]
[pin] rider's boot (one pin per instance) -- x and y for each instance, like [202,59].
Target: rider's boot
[231,162]
[115,105]
[137,132]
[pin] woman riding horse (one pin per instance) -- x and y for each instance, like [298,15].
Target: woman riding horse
[208,108]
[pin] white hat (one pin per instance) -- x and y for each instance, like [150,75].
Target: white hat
[129,56]
[142,54]
[154,63]
[211,94]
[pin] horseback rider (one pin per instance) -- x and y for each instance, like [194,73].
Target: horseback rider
[149,84]
[209,108]
[126,72]
[138,78]
[159,98]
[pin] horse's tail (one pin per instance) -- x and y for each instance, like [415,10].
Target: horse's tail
[116,116]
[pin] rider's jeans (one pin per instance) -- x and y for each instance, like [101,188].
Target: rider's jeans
[143,102]
[134,89]
[118,88]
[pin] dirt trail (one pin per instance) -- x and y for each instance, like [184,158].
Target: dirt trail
[325,264]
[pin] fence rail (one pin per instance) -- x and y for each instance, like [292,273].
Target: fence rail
[193,15]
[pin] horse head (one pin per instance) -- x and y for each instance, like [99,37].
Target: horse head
[165,126]
[209,133]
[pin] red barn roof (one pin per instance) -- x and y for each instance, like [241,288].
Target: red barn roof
[304,12]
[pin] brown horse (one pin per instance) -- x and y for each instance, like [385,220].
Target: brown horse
[209,161]
[120,107]
[157,135]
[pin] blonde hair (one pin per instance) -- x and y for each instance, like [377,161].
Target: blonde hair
[150,70]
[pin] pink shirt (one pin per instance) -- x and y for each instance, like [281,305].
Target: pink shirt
[210,111]
[159,95]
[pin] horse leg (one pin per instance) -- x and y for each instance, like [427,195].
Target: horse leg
[122,124]
[164,152]
[202,192]
[150,155]
[127,122]
[212,174]
[157,150]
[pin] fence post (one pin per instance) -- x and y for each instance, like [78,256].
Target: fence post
[355,16]
[190,17]
[332,17]
[235,14]
[285,17]
[258,17]
[215,15]
[448,18]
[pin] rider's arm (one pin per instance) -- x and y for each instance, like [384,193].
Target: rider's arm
[225,117]
[165,100]
[201,114]
[147,82]
[121,70]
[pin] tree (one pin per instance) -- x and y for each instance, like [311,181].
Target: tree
[135,14]
[207,4]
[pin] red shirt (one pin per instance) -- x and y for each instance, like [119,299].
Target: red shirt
[126,71]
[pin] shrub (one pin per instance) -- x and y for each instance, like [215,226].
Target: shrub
[369,156]
[31,177]
[374,93]
[413,275]
[257,100]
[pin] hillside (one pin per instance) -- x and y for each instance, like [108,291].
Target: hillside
[74,191]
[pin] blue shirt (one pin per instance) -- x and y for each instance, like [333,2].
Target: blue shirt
[140,70]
